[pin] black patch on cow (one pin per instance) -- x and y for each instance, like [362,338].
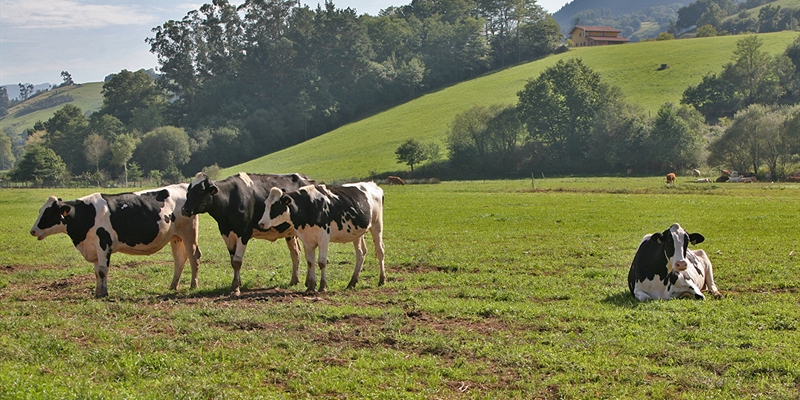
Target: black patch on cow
[134,217]
[51,216]
[349,205]
[650,260]
[283,227]
[79,220]
[169,218]
[236,207]
[104,238]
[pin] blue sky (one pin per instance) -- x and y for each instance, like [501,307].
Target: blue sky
[93,38]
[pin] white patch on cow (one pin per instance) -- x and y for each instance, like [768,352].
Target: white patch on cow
[198,178]
[246,178]
[678,260]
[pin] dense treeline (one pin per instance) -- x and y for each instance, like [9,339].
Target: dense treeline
[238,82]
[568,121]
[663,16]
[279,73]
[719,17]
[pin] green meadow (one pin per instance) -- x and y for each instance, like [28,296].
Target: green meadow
[366,147]
[496,289]
[87,96]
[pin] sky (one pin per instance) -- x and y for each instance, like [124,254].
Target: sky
[94,38]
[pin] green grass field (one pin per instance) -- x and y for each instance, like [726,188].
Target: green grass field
[367,146]
[494,291]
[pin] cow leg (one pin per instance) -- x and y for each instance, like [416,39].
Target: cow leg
[179,257]
[294,252]
[193,251]
[101,272]
[311,274]
[323,263]
[377,238]
[236,249]
[641,295]
[709,273]
[361,250]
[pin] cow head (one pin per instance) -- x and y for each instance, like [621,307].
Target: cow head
[675,242]
[51,218]
[277,209]
[199,195]
[682,286]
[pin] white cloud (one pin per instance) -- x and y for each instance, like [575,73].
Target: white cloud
[69,14]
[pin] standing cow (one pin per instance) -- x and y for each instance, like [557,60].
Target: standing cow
[664,267]
[323,214]
[139,223]
[670,178]
[237,203]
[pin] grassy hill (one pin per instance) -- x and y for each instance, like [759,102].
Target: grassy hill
[86,96]
[367,146]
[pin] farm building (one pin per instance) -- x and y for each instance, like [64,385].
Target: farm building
[595,36]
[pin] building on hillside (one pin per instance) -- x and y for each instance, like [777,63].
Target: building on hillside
[595,36]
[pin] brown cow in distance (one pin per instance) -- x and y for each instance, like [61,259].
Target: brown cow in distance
[395,180]
[670,178]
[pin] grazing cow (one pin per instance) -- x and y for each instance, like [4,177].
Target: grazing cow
[395,180]
[138,223]
[664,268]
[670,178]
[322,214]
[237,203]
[696,173]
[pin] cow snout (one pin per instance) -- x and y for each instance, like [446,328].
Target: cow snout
[681,265]
[185,212]
[699,296]
[37,234]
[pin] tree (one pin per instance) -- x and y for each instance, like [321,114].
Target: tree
[66,131]
[163,147]
[707,30]
[95,147]
[412,152]
[67,78]
[559,105]
[7,158]
[4,101]
[122,149]
[768,18]
[41,165]
[126,92]
[676,139]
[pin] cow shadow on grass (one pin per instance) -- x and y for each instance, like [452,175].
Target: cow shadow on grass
[622,299]
[273,293]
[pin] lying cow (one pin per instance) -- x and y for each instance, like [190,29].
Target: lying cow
[138,223]
[323,214]
[664,268]
[395,180]
[237,203]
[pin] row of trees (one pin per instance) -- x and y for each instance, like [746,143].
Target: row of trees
[241,81]
[713,17]
[281,73]
[568,121]
[664,16]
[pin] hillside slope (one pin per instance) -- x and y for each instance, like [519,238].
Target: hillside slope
[365,147]
[87,96]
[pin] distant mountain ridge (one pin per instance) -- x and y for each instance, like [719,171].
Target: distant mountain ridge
[565,15]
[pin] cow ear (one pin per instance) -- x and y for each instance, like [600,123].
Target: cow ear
[213,189]
[64,210]
[656,237]
[286,200]
[695,238]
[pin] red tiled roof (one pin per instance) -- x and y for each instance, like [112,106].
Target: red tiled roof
[608,39]
[595,28]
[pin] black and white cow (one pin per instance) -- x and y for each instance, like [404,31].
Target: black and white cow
[237,203]
[139,223]
[664,267]
[323,214]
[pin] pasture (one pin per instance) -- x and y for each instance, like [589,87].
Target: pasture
[493,290]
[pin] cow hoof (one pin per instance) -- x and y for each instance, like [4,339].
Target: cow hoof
[381,282]
[294,281]
[236,293]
